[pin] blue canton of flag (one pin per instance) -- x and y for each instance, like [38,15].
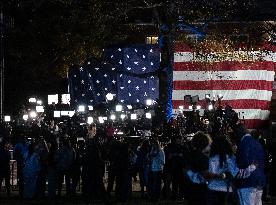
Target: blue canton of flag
[137,66]
[130,73]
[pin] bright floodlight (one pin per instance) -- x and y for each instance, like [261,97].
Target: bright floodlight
[65,99]
[119,108]
[89,120]
[148,102]
[33,114]
[198,107]
[181,107]
[81,108]
[109,96]
[190,107]
[32,100]
[148,115]
[7,118]
[210,107]
[133,116]
[39,108]
[101,120]
[112,117]
[25,117]
[71,113]
[52,99]
[123,116]
[90,107]
[39,102]
[56,113]
[129,107]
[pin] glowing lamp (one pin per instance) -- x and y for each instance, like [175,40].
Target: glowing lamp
[33,114]
[112,117]
[81,108]
[119,108]
[89,120]
[25,117]
[133,116]
[109,96]
[7,118]
[148,102]
[148,115]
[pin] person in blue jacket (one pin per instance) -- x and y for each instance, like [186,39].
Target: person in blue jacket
[250,189]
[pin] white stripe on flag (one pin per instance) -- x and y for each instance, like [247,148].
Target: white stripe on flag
[227,94]
[247,114]
[250,114]
[230,56]
[223,75]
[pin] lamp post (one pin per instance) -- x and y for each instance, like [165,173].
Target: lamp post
[2,62]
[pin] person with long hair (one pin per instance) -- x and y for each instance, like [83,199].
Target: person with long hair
[30,172]
[222,161]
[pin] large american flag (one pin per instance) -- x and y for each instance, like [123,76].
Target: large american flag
[246,85]
[130,73]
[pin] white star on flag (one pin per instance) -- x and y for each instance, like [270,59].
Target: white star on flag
[128,68]
[113,81]
[135,50]
[144,68]
[144,56]
[88,62]
[111,56]
[119,49]
[75,76]
[91,100]
[81,68]
[105,75]
[122,88]
[137,87]
[120,62]
[137,100]
[121,75]
[82,81]
[127,56]
[152,77]
[153,89]
[145,94]
[105,88]
[112,68]
[129,94]
[97,81]
[97,68]
[151,50]
[90,88]
[83,95]
[136,63]
[98,94]
[151,63]
[89,75]
[122,101]
[129,81]
[145,81]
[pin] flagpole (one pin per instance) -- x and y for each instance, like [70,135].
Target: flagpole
[2,62]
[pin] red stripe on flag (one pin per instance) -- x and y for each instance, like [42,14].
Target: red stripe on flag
[223,66]
[235,104]
[253,124]
[222,85]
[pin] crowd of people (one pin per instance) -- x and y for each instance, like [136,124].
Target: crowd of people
[204,160]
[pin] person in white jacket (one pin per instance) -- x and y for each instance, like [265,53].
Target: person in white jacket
[222,161]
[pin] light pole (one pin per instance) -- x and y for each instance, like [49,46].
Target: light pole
[2,61]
